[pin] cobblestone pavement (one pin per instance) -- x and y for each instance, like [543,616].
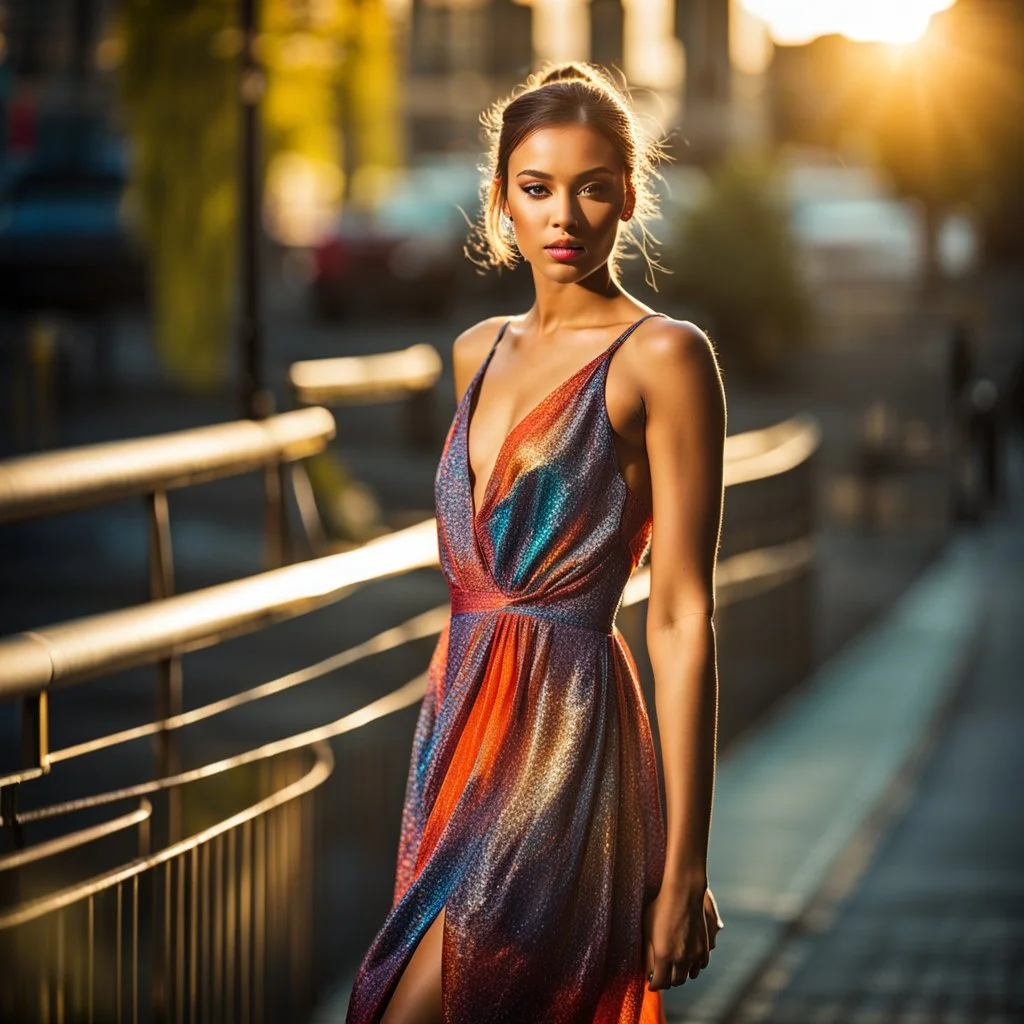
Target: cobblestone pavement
[929,927]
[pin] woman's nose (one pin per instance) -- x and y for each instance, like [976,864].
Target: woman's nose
[566,215]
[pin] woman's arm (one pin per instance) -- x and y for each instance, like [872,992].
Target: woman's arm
[685,439]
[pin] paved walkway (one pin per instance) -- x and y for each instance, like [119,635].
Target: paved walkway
[933,930]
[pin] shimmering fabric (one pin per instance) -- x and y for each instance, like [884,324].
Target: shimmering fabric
[532,810]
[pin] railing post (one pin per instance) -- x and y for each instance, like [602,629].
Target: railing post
[168,760]
[278,541]
[9,814]
[35,732]
[169,678]
[35,753]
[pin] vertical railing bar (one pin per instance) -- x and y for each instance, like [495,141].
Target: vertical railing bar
[118,980]
[193,932]
[165,991]
[35,731]
[179,965]
[218,928]
[9,814]
[135,950]
[260,913]
[273,924]
[245,922]
[296,890]
[277,537]
[295,901]
[61,967]
[285,868]
[44,981]
[169,682]
[91,962]
[305,501]
[207,966]
[231,882]
[309,851]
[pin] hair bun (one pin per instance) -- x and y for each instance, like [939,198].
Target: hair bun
[567,72]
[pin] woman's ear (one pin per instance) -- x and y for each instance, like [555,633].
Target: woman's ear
[630,204]
[497,186]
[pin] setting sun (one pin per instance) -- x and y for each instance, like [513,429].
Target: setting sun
[799,21]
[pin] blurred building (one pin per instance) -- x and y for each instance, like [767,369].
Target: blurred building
[703,28]
[462,54]
[50,38]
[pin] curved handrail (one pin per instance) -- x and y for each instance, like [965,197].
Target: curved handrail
[419,627]
[72,478]
[370,378]
[69,653]
[72,840]
[321,769]
[402,697]
[770,451]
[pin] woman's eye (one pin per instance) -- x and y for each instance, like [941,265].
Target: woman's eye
[528,190]
[594,188]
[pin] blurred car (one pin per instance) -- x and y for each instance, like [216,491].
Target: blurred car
[64,243]
[403,253]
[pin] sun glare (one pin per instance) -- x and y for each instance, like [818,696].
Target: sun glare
[799,21]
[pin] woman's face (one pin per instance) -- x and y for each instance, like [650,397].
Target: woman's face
[566,195]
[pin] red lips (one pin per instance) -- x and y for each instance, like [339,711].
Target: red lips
[564,249]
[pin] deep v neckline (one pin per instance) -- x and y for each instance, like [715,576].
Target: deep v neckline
[473,389]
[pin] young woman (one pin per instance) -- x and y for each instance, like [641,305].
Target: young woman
[538,881]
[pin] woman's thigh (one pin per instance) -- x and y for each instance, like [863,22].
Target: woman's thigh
[417,999]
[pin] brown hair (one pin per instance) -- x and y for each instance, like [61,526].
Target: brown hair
[564,94]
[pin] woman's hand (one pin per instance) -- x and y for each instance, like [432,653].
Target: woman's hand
[681,927]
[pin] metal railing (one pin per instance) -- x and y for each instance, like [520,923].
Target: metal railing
[72,479]
[217,923]
[408,376]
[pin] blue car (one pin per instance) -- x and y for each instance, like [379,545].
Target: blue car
[64,244]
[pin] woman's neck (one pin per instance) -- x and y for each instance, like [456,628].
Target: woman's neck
[598,298]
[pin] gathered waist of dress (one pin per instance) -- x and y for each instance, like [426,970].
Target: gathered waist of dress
[478,602]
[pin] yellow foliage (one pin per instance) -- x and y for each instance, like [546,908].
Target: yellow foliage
[179,85]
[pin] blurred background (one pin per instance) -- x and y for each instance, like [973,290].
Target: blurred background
[221,218]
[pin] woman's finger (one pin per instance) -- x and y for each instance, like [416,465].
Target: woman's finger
[661,976]
[711,920]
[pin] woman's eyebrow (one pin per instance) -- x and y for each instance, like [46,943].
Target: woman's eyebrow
[550,177]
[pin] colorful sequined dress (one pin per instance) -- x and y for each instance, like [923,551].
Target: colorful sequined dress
[532,811]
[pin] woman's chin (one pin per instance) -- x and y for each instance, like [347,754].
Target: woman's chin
[569,272]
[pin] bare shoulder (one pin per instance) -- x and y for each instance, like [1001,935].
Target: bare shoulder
[470,348]
[675,361]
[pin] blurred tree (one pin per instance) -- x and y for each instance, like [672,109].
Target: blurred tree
[922,143]
[735,262]
[990,38]
[372,101]
[948,123]
[179,86]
